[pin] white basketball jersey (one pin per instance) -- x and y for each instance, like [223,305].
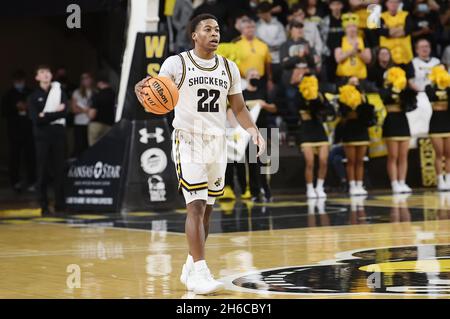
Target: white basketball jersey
[203,89]
[421,70]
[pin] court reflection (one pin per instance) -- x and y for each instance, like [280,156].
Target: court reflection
[158,262]
[316,213]
[399,209]
[357,210]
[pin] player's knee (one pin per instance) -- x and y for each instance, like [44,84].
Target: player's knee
[196,208]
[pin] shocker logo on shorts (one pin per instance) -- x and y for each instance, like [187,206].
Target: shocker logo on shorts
[421,269]
[218,182]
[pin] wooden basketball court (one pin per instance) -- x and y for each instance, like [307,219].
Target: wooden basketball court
[379,247]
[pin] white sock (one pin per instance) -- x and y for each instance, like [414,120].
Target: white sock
[394,184]
[320,183]
[359,184]
[352,184]
[402,182]
[441,178]
[447,177]
[310,187]
[189,261]
[200,265]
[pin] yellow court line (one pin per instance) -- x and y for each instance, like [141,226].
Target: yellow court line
[90,217]
[25,212]
[142,214]
[16,221]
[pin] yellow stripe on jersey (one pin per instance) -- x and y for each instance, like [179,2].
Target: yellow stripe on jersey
[215,193]
[191,187]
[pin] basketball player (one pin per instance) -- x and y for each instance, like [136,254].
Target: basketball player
[205,81]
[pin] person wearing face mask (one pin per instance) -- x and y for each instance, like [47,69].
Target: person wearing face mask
[19,132]
[425,23]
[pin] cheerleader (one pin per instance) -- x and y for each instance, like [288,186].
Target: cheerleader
[438,93]
[313,110]
[356,117]
[398,99]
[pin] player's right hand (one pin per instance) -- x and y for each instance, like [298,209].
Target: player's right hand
[138,87]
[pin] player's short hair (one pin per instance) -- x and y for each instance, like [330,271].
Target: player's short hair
[199,18]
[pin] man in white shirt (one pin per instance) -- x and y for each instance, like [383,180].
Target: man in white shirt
[272,32]
[423,63]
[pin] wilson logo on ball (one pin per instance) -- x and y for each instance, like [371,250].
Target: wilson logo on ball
[160,91]
[159,95]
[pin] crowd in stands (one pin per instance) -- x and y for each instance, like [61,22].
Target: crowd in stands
[282,42]
[39,119]
[277,45]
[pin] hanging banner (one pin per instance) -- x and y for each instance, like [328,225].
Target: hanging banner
[150,51]
[151,181]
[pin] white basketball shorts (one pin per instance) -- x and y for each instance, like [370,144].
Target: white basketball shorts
[201,161]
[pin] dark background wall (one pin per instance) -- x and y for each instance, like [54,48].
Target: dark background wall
[35,32]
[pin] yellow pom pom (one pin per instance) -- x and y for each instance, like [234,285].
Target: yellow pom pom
[349,95]
[309,87]
[440,77]
[397,77]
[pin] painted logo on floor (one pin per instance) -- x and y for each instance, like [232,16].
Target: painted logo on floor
[421,269]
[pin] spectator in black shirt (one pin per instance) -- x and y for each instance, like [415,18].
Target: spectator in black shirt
[332,32]
[48,117]
[297,59]
[382,64]
[102,111]
[280,10]
[19,131]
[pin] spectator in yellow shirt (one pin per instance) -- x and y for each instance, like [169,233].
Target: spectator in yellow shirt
[252,53]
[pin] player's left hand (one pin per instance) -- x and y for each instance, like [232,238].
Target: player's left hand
[138,87]
[258,140]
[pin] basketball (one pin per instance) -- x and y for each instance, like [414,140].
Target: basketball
[159,95]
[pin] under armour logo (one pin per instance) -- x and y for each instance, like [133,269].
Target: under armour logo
[218,182]
[145,135]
